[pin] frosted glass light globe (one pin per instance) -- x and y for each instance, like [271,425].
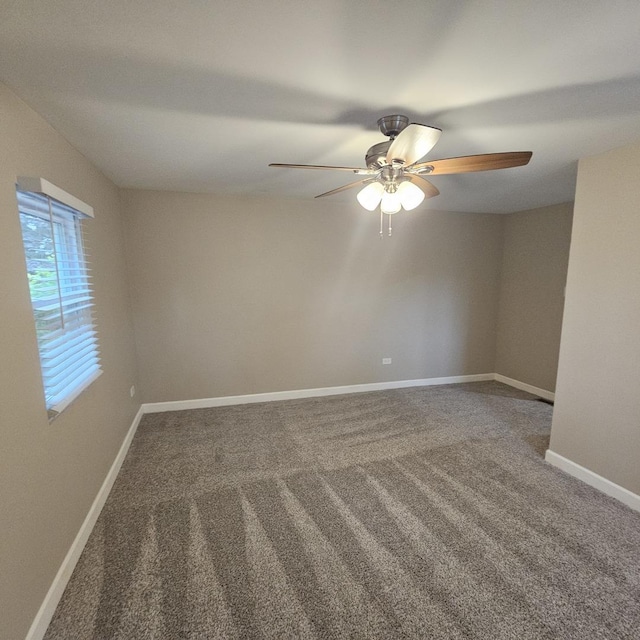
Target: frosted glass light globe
[410,195]
[390,203]
[371,195]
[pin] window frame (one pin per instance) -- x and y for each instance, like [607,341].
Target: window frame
[77,360]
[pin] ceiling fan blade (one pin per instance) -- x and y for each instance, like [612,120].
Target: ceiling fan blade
[412,143]
[467,164]
[430,190]
[360,171]
[345,187]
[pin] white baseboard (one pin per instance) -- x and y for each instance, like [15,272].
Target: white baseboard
[51,600]
[523,386]
[598,482]
[222,401]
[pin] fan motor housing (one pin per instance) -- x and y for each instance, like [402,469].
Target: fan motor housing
[389,126]
[377,155]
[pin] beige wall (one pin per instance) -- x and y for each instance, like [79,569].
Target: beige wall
[50,474]
[596,421]
[234,295]
[534,270]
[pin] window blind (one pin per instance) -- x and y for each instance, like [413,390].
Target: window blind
[61,296]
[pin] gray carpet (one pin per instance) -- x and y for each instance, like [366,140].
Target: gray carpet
[415,513]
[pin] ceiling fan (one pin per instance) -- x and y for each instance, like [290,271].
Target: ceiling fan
[395,179]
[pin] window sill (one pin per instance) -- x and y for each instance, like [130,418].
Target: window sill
[57,409]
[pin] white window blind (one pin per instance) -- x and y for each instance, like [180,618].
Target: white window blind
[61,295]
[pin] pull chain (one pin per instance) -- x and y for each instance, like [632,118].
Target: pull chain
[381,222]
[389,225]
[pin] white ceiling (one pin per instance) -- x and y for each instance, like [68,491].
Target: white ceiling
[201,95]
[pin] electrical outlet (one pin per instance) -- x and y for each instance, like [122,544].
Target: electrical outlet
[132,391]
[386,360]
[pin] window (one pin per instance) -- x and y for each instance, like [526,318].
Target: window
[60,287]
